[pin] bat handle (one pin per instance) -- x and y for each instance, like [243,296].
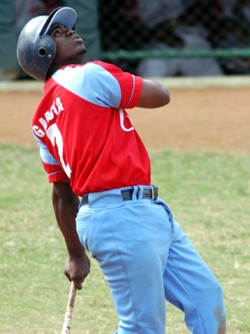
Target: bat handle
[69,310]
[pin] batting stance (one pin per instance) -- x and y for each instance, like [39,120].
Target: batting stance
[91,150]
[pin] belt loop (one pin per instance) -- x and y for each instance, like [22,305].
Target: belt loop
[154,191]
[135,193]
[81,203]
[140,193]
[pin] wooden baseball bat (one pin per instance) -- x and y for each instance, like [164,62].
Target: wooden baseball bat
[69,310]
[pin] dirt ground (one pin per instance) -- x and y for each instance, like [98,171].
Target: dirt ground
[213,118]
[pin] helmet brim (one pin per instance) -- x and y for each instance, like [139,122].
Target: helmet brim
[65,16]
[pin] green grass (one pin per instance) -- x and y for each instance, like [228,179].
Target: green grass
[209,194]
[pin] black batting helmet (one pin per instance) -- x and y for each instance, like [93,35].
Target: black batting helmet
[36,50]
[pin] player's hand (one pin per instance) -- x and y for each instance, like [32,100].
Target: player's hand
[76,269]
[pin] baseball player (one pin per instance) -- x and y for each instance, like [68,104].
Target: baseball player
[92,152]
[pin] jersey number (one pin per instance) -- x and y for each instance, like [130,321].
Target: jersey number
[56,139]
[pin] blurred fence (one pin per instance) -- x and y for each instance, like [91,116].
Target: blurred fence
[137,33]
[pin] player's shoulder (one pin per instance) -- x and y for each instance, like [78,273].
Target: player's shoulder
[88,70]
[100,67]
[101,73]
[104,65]
[74,75]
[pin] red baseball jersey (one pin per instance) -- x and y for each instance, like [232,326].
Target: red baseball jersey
[84,132]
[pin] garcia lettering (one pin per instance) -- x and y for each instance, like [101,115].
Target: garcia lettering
[55,109]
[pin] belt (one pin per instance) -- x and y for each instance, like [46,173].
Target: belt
[127,194]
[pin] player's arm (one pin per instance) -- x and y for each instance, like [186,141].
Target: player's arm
[65,204]
[133,90]
[153,95]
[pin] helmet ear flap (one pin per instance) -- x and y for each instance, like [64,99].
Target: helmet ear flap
[46,47]
[45,54]
[42,51]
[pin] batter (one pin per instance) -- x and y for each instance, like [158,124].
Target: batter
[102,194]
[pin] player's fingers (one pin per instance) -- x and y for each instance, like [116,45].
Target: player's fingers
[78,284]
[67,275]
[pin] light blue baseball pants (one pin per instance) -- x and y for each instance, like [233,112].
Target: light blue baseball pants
[146,259]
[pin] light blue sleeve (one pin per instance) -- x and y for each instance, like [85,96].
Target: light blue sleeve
[45,155]
[91,82]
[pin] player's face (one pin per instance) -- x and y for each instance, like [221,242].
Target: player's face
[70,46]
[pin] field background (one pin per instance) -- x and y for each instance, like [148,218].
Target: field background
[209,114]
[200,149]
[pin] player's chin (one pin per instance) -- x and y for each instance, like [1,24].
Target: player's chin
[82,56]
[78,56]
[82,49]
[77,46]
